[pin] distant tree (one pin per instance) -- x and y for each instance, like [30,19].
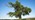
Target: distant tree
[19,10]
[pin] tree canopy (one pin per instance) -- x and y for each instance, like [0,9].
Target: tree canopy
[19,10]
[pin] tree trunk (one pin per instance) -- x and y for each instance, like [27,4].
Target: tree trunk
[19,17]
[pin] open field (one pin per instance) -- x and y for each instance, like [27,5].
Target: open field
[22,19]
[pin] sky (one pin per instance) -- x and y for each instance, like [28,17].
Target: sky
[4,9]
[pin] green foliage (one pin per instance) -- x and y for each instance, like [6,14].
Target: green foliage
[19,9]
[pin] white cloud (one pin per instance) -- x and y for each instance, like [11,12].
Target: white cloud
[7,17]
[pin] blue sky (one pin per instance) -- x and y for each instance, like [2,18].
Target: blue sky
[5,9]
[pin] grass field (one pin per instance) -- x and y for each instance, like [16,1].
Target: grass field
[22,19]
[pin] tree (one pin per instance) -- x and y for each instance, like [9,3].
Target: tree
[20,10]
